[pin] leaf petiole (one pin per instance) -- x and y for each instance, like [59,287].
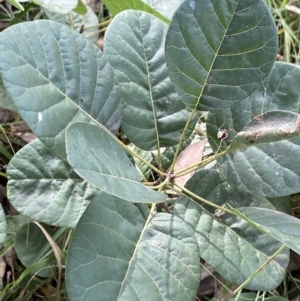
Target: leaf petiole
[197,197]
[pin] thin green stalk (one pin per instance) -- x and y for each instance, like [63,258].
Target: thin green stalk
[7,139]
[197,197]
[151,213]
[2,174]
[179,192]
[67,241]
[99,24]
[72,22]
[31,278]
[161,185]
[12,123]
[7,248]
[131,152]
[28,271]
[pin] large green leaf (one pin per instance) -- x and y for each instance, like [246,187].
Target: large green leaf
[262,157]
[279,91]
[44,188]
[219,52]
[134,45]
[283,227]
[230,245]
[117,6]
[116,253]
[55,77]
[98,158]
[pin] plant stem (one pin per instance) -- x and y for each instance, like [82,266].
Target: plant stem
[71,21]
[7,139]
[131,152]
[161,185]
[197,197]
[174,189]
[2,174]
[106,22]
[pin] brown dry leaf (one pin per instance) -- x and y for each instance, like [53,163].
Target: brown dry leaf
[28,137]
[191,155]
[49,291]
[23,132]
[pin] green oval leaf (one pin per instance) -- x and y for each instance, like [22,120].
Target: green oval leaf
[98,158]
[283,227]
[230,245]
[134,45]
[44,188]
[279,91]
[116,253]
[226,49]
[65,79]
[260,159]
